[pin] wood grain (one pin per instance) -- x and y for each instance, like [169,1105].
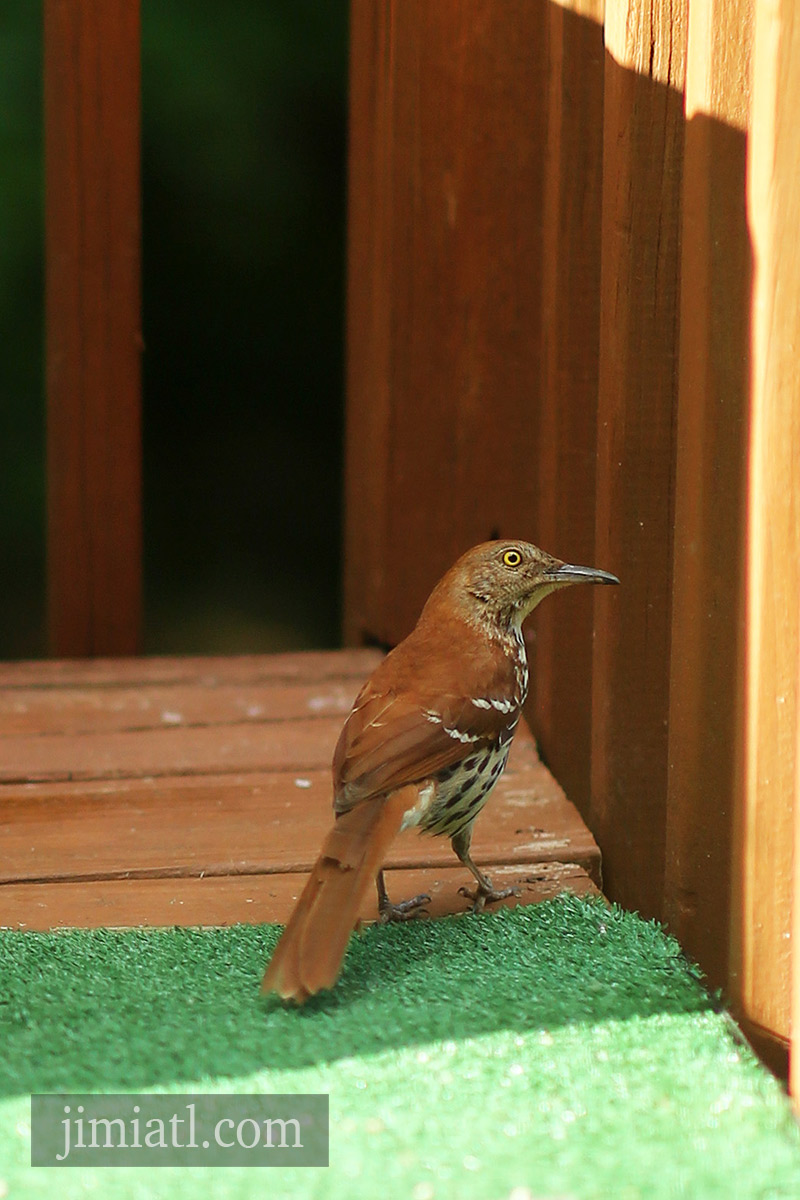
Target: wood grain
[446,153]
[370,284]
[794,1051]
[560,705]
[764,822]
[85,711]
[171,750]
[209,671]
[708,602]
[642,168]
[93,325]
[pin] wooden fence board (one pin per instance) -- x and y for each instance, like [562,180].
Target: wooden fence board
[642,159]
[794,1027]
[444,343]
[370,282]
[764,826]
[560,705]
[707,670]
[93,331]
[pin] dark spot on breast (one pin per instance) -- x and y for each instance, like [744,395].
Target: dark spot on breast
[472,761]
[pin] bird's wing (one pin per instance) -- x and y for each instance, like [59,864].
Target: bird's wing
[390,740]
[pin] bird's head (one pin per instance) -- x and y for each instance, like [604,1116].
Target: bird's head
[500,583]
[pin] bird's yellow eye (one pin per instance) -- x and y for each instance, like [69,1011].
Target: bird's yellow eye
[512,558]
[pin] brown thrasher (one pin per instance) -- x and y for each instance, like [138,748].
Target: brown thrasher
[424,744]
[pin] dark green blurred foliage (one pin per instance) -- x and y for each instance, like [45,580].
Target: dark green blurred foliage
[21,329]
[243,161]
[243,154]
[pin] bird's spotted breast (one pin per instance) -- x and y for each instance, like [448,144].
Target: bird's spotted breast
[463,789]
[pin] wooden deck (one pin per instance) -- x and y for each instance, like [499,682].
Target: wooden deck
[196,791]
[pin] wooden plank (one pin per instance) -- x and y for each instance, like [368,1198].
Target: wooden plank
[194,750]
[206,714]
[255,898]
[77,711]
[707,671]
[443,329]
[764,823]
[93,325]
[260,822]
[311,666]
[642,159]
[369,306]
[560,705]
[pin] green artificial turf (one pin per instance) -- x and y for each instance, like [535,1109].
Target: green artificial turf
[561,1050]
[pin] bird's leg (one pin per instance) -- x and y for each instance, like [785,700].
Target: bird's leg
[484,891]
[397,912]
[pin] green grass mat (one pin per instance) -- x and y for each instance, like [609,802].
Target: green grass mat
[561,1050]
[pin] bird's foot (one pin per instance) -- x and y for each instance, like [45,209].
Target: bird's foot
[480,896]
[404,910]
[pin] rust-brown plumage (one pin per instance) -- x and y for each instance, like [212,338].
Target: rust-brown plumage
[424,744]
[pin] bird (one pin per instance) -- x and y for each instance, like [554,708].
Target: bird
[424,744]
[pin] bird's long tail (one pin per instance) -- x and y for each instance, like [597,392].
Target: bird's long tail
[309,955]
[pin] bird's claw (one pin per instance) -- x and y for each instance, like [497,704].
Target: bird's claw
[405,910]
[480,896]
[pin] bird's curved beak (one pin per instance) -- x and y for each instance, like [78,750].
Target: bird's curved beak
[569,573]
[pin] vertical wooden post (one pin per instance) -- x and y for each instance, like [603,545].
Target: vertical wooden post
[369,309]
[93,339]
[561,692]
[763,864]
[707,674]
[794,941]
[444,293]
[642,163]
